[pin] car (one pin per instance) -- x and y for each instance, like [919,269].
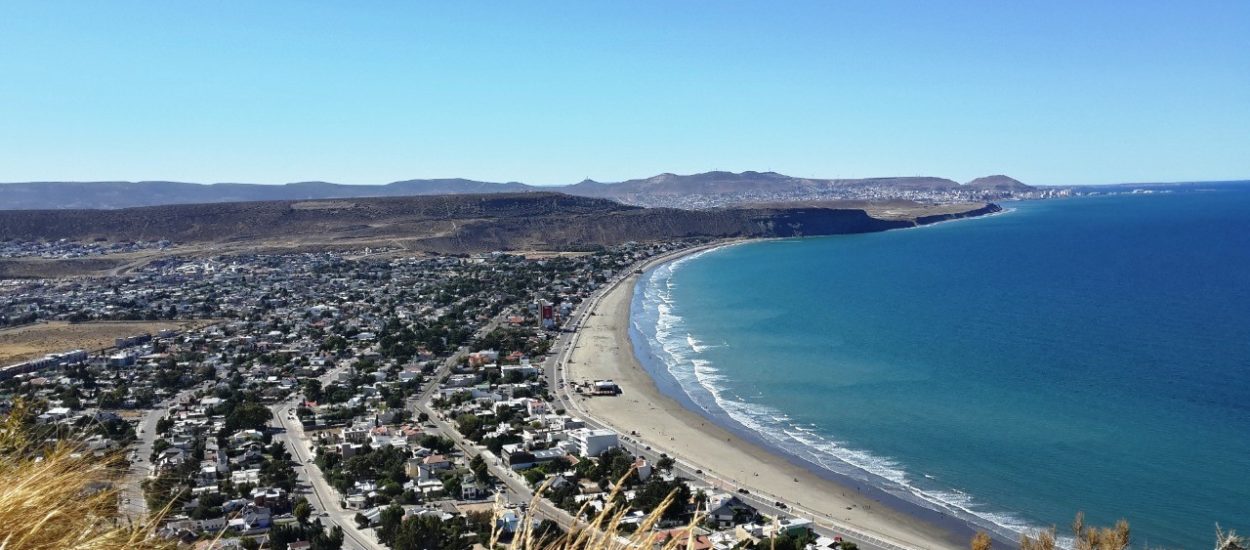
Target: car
[780,504]
[744,491]
[700,472]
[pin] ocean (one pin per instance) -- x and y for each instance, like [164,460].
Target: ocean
[1087,354]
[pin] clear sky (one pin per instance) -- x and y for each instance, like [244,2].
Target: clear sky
[1051,92]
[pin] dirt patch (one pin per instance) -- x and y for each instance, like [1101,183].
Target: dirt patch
[30,341]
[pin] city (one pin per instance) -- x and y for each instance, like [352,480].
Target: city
[332,400]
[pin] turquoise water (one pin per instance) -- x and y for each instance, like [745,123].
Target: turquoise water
[1086,354]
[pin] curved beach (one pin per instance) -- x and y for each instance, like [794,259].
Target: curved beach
[602,350]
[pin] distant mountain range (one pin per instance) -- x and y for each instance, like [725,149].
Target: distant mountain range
[696,191]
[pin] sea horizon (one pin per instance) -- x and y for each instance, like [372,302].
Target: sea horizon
[679,338]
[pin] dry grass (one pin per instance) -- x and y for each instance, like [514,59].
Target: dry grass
[1084,537]
[603,531]
[52,497]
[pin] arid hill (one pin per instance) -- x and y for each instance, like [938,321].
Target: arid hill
[1000,183]
[445,223]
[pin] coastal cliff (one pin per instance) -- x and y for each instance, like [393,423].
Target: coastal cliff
[989,208]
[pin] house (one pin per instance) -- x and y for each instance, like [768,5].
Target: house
[642,468]
[524,370]
[54,414]
[517,458]
[269,496]
[589,487]
[507,521]
[250,476]
[687,537]
[729,511]
[535,407]
[786,526]
[472,488]
[253,517]
[242,437]
[354,502]
[436,462]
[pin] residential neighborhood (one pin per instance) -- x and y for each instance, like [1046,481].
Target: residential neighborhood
[333,400]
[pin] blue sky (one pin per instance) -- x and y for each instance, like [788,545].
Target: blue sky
[1050,92]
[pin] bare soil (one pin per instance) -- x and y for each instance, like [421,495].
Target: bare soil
[26,342]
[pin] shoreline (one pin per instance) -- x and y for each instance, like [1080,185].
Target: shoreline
[604,348]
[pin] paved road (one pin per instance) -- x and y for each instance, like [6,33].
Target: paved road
[133,505]
[311,480]
[432,381]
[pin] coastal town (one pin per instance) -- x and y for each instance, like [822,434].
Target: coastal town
[357,400]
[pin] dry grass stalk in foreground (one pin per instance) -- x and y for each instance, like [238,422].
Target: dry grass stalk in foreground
[1094,538]
[603,531]
[51,497]
[1229,540]
[1084,537]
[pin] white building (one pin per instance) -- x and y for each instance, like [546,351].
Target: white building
[593,442]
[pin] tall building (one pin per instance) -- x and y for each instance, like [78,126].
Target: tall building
[546,315]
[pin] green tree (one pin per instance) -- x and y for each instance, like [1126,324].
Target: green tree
[312,389]
[388,524]
[480,470]
[655,490]
[665,463]
[248,416]
[302,510]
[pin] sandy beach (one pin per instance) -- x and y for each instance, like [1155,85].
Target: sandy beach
[603,350]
